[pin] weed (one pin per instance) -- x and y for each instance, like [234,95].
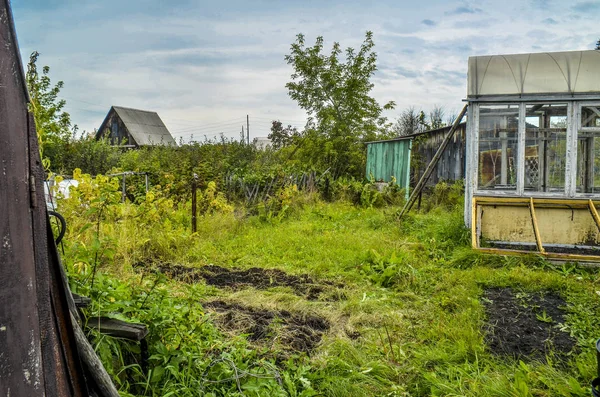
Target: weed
[402,301]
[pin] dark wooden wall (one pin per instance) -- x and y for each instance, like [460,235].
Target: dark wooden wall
[451,166]
[122,134]
[38,356]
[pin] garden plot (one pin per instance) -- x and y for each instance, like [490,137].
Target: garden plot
[255,277]
[525,325]
[293,332]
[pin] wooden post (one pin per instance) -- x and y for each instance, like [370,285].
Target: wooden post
[194,207]
[413,197]
[123,189]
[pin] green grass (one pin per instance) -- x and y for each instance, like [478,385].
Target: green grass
[412,292]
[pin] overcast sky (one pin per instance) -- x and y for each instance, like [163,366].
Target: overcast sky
[204,65]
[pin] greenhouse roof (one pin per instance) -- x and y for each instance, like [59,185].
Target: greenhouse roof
[556,73]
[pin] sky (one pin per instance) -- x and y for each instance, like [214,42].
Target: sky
[205,65]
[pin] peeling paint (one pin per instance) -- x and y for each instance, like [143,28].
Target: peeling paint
[33,363]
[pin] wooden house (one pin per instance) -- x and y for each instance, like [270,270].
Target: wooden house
[134,128]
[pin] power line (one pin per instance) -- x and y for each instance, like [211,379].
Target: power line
[199,121]
[206,127]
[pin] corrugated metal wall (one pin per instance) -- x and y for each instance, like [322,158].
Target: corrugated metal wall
[387,159]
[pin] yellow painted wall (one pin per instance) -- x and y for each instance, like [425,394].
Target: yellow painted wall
[556,225]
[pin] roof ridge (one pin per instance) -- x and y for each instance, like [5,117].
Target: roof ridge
[137,110]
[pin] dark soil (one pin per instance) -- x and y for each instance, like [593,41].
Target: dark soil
[236,278]
[293,332]
[527,325]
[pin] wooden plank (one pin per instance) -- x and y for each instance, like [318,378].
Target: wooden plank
[21,369]
[549,255]
[93,363]
[81,302]
[536,230]
[594,213]
[429,170]
[118,328]
[576,203]
[474,234]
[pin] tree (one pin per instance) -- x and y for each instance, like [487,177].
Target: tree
[598,45]
[281,136]
[336,92]
[410,121]
[52,123]
[436,117]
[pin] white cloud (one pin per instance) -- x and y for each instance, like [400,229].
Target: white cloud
[207,65]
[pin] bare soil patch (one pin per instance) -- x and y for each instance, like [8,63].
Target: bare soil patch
[525,325]
[259,278]
[293,332]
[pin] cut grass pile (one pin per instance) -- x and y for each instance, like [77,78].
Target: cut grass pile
[333,300]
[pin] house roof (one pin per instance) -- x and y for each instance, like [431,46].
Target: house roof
[567,73]
[145,127]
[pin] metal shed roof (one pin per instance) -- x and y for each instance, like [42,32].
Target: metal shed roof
[145,127]
[567,73]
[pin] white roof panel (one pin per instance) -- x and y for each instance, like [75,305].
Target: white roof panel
[573,72]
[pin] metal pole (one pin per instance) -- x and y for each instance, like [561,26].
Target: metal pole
[147,186]
[248,127]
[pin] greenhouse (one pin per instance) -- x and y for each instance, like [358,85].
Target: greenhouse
[533,153]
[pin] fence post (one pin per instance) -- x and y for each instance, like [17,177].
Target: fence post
[194,209]
[123,188]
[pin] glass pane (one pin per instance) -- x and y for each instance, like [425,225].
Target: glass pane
[545,147]
[590,116]
[588,162]
[498,132]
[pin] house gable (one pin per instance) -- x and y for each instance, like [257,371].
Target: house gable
[134,128]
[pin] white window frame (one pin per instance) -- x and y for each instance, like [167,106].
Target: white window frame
[579,127]
[571,152]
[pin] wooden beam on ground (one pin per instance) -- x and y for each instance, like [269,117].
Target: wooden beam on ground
[429,170]
[119,329]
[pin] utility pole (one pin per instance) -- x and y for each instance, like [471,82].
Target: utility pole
[248,127]
[243,135]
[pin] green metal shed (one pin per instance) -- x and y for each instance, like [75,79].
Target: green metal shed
[391,158]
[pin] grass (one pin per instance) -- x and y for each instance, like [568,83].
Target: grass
[409,321]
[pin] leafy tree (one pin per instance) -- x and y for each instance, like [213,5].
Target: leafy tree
[598,45]
[336,93]
[53,124]
[281,136]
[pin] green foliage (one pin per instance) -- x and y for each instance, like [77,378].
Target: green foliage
[444,195]
[337,95]
[53,124]
[405,315]
[91,156]
[281,136]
